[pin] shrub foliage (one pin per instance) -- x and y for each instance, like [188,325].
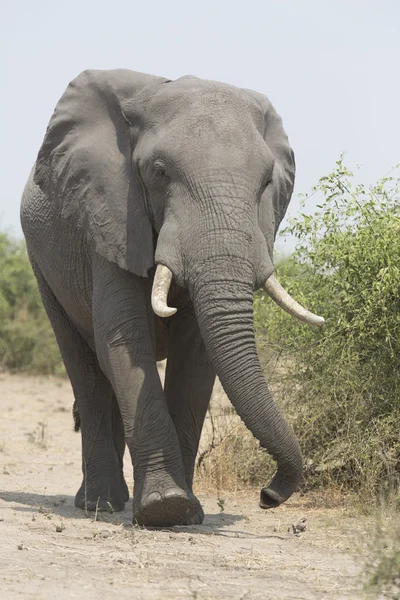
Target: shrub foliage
[27,342]
[341,386]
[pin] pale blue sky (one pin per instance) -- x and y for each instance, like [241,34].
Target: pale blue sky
[331,67]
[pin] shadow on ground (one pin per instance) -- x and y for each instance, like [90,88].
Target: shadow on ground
[63,506]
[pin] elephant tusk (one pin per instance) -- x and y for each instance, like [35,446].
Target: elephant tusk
[159,294]
[285,301]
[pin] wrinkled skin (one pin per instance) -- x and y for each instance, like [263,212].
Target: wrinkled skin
[136,171]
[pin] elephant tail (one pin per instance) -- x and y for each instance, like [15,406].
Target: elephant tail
[77,419]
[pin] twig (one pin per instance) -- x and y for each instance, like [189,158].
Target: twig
[97,508]
[211,445]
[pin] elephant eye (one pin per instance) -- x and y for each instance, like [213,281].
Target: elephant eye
[159,170]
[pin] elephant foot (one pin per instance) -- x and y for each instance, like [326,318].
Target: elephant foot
[106,497]
[169,508]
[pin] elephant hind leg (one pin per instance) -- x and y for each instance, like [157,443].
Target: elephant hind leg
[117,431]
[103,486]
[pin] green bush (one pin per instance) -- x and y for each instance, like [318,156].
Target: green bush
[340,387]
[27,342]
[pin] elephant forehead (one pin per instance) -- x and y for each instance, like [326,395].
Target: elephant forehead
[195,99]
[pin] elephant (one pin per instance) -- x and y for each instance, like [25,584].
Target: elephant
[150,217]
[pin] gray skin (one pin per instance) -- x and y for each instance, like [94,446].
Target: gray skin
[136,171]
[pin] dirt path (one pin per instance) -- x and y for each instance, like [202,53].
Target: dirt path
[48,549]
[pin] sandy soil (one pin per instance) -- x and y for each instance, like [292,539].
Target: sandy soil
[48,549]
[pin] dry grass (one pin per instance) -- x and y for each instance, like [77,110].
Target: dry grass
[233,459]
[39,436]
[383,567]
[230,459]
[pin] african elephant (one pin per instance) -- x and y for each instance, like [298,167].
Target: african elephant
[144,190]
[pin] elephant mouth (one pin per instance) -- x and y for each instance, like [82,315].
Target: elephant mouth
[162,282]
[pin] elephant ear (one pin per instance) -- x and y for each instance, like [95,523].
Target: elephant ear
[85,166]
[276,197]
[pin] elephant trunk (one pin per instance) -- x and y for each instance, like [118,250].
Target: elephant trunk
[225,315]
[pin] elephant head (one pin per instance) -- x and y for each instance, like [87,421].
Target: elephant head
[193,176]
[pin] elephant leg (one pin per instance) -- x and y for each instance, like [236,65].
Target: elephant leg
[103,486]
[189,382]
[118,434]
[125,345]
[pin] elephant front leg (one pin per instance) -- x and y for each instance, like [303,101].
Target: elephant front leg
[124,336]
[189,383]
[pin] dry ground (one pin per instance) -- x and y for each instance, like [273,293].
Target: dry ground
[48,549]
